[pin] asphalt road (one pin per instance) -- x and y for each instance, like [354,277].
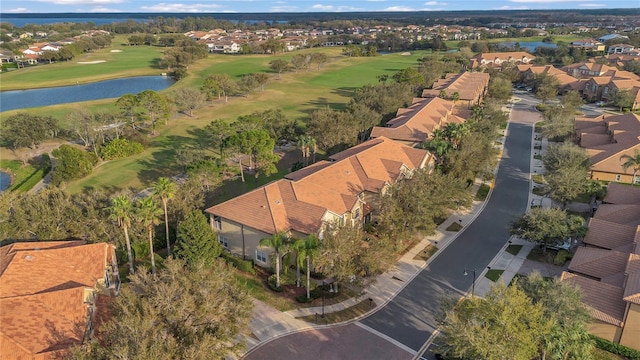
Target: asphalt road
[408,321]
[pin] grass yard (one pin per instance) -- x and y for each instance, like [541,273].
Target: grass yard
[493,274]
[482,192]
[296,94]
[455,227]
[24,177]
[513,249]
[426,253]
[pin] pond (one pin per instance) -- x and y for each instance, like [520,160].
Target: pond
[530,46]
[5,181]
[22,99]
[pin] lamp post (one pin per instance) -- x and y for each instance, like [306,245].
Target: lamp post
[473,284]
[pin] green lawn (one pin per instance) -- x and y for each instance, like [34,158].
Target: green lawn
[493,274]
[513,249]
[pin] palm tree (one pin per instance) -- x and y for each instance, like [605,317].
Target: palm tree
[279,242]
[307,249]
[165,189]
[147,213]
[303,143]
[313,144]
[122,211]
[632,161]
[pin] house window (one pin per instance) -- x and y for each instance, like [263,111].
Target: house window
[617,177]
[223,240]
[217,223]
[637,180]
[261,256]
[357,214]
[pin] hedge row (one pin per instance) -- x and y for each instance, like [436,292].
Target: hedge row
[617,349]
[238,263]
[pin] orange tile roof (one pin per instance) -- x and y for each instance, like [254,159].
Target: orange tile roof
[42,323]
[625,139]
[300,201]
[604,300]
[30,271]
[416,123]
[43,284]
[467,84]
[623,214]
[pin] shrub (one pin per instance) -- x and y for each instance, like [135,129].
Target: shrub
[616,348]
[303,299]
[71,163]
[483,191]
[240,264]
[561,257]
[140,249]
[120,148]
[272,283]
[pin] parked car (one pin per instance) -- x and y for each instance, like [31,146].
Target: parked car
[601,103]
[566,245]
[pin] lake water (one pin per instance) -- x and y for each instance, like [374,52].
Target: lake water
[530,46]
[22,99]
[5,181]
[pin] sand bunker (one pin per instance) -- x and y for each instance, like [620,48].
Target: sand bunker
[92,62]
[406,53]
[116,50]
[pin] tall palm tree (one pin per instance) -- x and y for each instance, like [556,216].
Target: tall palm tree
[307,249]
[147,213]
[279,242]
[303,143]
[632,161]
[122,211]
[165,189]
[313,144]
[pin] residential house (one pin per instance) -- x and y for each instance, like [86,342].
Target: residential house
[607,269]
[606,139]
[50,294]
[343,189]
[588,70]
[415,124]
[620,49]
[498,58]
[610,90]
[589,45]
[608,37]
[470,86]
[533,71]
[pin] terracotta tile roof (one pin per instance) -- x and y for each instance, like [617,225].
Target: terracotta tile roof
[45,284]
[416,123]
[622,194]
[467,84]
[623,214]
[604,300]
[606,265]
[632,288]
[30,271]
[42,323]
[300,201]
[607,234]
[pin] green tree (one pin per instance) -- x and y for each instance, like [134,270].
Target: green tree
[410,76]
[562,303]
[547,87]
[127,104]
[165,189]
[623,99]
[505,324]
[558,122]
[26,130]
[197,244]
[280,244]
[566,184]
[565,155]
[71,163]
[307,249]
[155,105]
[218,131]
[147,212]
[219,85]
[319,59]
[279,66]
[122,210]
[181,313]
[499,88]
[545,226]
[631,161]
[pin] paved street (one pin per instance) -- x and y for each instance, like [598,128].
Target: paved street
[406,323]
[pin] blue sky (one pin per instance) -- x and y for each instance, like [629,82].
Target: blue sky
[196,6]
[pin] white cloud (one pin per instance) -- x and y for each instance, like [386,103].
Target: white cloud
[284,8]
[82,2]
[507,7]
[593,5]
[102,9]
[544,1]
[185,8]
[435,3]
[399,8]
[17,10]
[322,7]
